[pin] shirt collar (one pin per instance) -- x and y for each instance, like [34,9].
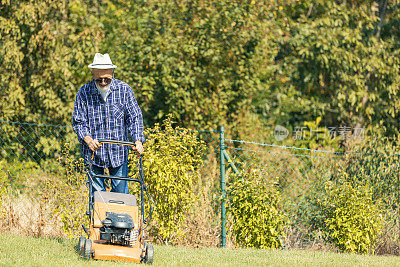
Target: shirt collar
[113,84]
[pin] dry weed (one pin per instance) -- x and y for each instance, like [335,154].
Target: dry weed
[27,215]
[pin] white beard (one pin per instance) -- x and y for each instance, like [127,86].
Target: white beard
[104,90]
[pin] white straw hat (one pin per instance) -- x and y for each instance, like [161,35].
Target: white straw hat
[102,62]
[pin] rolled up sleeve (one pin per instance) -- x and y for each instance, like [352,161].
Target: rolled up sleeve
[79,118]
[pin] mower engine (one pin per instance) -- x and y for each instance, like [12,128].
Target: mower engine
[118,229]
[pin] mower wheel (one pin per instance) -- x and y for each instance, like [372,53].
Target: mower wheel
[81,244]
[87,249]
[149,254]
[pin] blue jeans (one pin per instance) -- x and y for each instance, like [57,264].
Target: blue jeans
[119,186]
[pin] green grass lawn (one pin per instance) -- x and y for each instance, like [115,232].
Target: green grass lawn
[29,251]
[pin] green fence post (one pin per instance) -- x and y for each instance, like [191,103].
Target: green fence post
[223,193]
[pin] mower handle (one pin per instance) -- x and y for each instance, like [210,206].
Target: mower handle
[116,142]
[117,178]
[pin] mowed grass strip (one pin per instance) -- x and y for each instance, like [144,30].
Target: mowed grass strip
[30,251]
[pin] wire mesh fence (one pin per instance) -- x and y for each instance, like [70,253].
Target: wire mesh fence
[32,159]
[302,175]
[39,172]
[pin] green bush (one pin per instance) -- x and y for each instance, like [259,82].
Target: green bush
[254,204]
[352,220]
[171,168]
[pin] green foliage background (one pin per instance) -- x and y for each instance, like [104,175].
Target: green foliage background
[207,62]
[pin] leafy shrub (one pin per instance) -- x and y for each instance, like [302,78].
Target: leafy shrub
[254,204]
[316,136]
[352,220]
[171,168]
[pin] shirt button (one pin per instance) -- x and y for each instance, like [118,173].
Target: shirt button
[107,118]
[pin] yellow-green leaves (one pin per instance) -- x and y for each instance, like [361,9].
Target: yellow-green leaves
[352,220]
[171,168]
[255,206]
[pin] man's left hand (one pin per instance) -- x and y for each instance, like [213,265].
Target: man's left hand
[139,147]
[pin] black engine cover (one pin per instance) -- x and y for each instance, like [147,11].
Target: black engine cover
[117,228]
[119,220]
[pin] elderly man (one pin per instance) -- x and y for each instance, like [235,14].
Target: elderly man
[106,108]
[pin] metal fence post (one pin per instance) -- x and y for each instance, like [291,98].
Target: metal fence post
[223,193]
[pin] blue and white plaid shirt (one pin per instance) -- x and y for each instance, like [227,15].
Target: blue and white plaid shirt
[114,119]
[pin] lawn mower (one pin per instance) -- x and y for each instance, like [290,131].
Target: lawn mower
[116,229]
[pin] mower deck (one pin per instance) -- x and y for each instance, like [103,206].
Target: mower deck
[111,252]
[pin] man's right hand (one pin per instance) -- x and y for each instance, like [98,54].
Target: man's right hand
[92,143]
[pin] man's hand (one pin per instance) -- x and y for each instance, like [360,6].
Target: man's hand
[139,147]
[92,143]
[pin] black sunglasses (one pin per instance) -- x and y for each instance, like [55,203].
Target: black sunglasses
[106,80]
